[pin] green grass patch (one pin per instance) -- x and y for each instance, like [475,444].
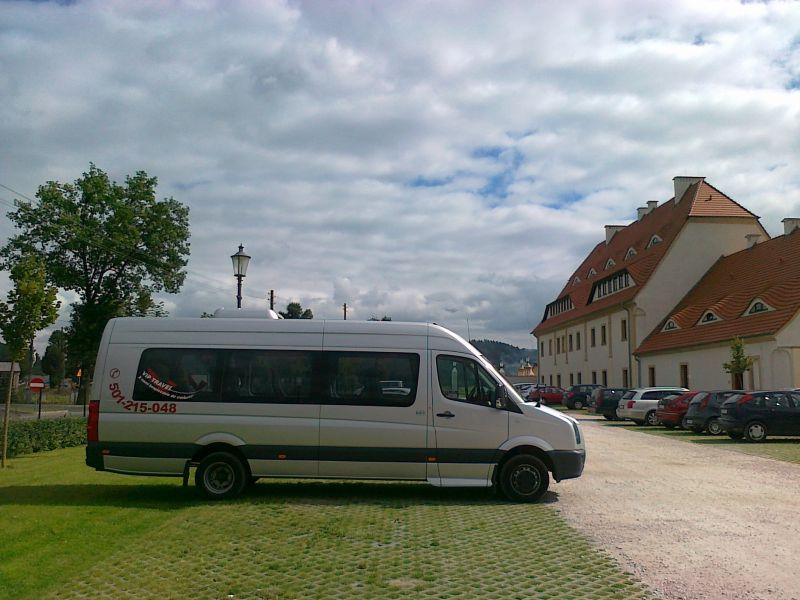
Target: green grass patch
[70,532]
[779,448]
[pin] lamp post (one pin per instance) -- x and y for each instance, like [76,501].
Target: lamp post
[240,261]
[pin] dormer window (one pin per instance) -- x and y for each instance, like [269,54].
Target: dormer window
[576,280]
[592,272]
[558,306]
[610,263]
[758,306]
[654,241]
[670,325]
[611,285]
[630,253]
[709,317]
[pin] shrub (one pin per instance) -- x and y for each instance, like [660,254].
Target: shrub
[25,437]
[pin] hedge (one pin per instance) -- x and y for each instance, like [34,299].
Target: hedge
[25,437]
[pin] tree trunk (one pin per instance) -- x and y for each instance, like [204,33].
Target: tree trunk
[6,415]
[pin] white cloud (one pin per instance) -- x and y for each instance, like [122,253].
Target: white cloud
[299,128]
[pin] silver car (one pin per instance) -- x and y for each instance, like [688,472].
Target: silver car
[639,405]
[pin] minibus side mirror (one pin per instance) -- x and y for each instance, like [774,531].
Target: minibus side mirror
[500,396]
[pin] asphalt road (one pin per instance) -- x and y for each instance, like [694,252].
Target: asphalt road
[691,521]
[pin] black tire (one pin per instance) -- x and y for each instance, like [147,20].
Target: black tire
[683,423]
[713,427]
[734,435]
[524,478]
[578,404]
[755,431]
[221,476]
[609,418]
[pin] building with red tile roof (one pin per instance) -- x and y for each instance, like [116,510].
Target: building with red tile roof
[627,284]
[753,294]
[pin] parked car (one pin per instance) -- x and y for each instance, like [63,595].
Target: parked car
[759,414]
[604,401]
[640,405]
[547,395]
[703,411]
[578,395]
[672,409]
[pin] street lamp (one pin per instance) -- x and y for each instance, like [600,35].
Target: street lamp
[240,261]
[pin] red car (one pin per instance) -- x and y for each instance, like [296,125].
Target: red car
[547,395]
[672,409]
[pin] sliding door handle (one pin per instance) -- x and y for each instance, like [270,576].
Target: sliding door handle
[446,415]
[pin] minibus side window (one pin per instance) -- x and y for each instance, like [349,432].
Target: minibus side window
[371,378]
[178,374]
[464,380]
[269,376]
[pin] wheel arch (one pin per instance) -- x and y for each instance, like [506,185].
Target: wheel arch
[204,451]
[523,449]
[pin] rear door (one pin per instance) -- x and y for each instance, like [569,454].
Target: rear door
[467,427]
[781,413]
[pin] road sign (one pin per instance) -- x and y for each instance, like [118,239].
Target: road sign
[36,383]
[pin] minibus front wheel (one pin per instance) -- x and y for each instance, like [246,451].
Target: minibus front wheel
[524,478]
[220,476]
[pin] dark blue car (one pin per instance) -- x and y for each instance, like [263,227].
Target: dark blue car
[756,415]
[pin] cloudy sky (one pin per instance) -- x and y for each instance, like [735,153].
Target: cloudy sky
[425,160]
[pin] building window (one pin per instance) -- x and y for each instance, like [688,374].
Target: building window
[655,240]
[576,280]
[579,378]
[605,378]
[602,335]
[593,338]
[558,345]
[578,341]
[611,285]
[630,253]
[623,331]
[651,376]
[685,376]
[594,377]
[758,306]
[558,306]
[558,380]
[551,379]
[571,379]
[625,382]
[709,317]
[550,346]
[610,263]
[592,272]
[570,342]
[670,325]
[541,348]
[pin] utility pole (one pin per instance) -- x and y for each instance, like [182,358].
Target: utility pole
[272,299]
[344,306]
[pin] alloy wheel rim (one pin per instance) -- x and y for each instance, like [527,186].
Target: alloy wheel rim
[219,477]
[714,428]
[652,419]
[525,480]
[756,431]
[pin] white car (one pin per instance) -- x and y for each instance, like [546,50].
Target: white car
[639,405]
[243,398]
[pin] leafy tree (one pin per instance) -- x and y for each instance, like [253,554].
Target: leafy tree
[207,315]
[295,311]
[739,363]
[53,362]
[31,306]
[383,318]
[114,244]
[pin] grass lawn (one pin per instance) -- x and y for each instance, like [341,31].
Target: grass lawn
[70,532]
[787,449]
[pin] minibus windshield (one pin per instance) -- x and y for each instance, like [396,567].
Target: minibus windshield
[510,389]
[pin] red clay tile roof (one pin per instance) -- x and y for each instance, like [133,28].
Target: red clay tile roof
[700,200]
[769,271]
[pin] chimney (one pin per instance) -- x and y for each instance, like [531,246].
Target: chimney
[611,230]
[651,206]
[641,212]
[752,239]
[790,224]
[682,184]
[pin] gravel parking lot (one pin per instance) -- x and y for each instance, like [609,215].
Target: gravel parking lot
[690,521]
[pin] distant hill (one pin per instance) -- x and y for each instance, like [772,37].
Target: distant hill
[500,352]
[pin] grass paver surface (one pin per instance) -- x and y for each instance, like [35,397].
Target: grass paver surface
[779,448]
[75,533]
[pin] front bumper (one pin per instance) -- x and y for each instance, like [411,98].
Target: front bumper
[567,464]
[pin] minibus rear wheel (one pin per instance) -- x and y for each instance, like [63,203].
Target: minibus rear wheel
[524,478]
[221,476]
